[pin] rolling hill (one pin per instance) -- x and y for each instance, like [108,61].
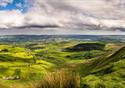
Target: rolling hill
[106,72]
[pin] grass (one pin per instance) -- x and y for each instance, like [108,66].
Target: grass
[45,65]
[3,86]
[60,79]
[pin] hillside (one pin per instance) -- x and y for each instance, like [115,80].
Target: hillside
[23,63]
[86,47]
[106,72]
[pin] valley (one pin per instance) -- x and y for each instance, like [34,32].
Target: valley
[95,63]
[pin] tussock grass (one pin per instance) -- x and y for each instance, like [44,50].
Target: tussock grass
[3,86]
[60,79]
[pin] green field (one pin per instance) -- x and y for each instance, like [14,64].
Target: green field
[98,64]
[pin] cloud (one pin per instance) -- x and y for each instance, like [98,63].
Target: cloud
[4,3]
[69,15]
[11,18]
[94,12]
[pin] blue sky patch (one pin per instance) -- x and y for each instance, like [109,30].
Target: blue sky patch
[21,5]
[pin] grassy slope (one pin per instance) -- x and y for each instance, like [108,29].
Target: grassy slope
[108,72]
[31,61]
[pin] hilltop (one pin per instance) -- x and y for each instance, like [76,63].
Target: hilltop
[86,47]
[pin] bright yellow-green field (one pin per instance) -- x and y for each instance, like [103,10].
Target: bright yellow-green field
[23,64]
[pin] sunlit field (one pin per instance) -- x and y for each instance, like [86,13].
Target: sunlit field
[62,64]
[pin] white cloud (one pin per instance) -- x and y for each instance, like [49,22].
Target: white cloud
[18,5]
[11,18]
[72,14]
[5,2]
[83,11]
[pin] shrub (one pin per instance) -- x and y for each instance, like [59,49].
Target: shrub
[60,79]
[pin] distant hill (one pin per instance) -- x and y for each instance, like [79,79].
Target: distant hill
[90,38]
[86,47]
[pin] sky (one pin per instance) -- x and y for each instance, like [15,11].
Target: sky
[62,17]
[7,5]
